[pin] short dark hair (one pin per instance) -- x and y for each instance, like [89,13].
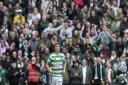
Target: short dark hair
[56,44]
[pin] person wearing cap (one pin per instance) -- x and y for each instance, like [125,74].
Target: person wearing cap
[3,75]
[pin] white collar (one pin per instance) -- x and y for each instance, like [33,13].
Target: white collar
[84,66]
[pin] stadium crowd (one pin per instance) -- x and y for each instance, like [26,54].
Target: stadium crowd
[64,42]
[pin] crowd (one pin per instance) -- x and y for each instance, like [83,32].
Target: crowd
[69,42]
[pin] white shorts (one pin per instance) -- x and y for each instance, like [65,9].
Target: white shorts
[56,81]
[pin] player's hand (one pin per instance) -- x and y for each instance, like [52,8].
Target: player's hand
[102,82]
[92,81]
[26,82]
[50,71]
[64,71]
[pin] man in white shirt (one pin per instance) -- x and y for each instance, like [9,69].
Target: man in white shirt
[109,74]
[50,28]
[86,73]
[66,30]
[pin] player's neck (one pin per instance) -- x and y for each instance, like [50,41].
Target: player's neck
[57,52]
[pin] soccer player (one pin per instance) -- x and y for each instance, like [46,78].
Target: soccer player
[56,65]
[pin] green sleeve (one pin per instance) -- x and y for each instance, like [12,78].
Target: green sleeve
[49,60]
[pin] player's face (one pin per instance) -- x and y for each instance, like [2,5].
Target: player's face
[57,48]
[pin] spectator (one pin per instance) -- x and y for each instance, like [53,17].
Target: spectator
[36,16]
[109,74]
[21,66]
[3,47]
[75,74]
[122,68]
[64,9]
[33,73]
[43,73]
[1,13]
[3,75]
[29,19]
[34,42]
[45,5]
[43,22]
[19,19]
[73,14]
[14,74]
[86,73]
[45,55]
[97,72]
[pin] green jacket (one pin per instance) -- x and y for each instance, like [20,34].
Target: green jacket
[100,71]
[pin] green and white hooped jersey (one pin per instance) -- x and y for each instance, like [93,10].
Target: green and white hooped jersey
[56,62]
